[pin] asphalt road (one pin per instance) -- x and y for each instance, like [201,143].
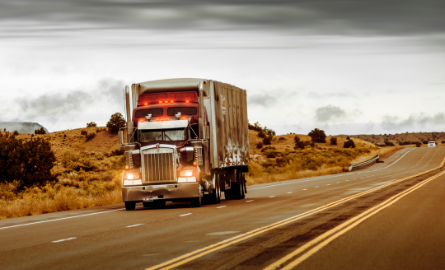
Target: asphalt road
[254,233]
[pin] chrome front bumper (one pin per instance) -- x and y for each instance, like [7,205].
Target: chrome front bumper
[161,192]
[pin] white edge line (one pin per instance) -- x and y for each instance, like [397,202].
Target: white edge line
[183,215]
[221,206]
[63,240]
[135,225]
[51,220]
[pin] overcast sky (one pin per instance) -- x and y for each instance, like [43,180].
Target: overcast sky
[348,67]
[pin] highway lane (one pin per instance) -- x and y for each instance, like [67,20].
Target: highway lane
[146,237]
[409,234]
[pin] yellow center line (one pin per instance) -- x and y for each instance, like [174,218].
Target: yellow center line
[220,245]
[343,228]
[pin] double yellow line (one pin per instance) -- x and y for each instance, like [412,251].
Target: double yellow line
[220,245]
[324,239]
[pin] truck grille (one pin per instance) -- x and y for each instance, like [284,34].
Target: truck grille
[158,167]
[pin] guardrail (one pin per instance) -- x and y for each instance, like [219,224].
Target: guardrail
[364,163]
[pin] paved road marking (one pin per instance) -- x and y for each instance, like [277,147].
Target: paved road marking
[175,262]
[188,214]
[304,189]
[135,225]
[221,206]
[317,186]
[250,201]
[51,220]
[290,192]
[347,180]
[63,240]
[271,196]
[328,184]
[326,238]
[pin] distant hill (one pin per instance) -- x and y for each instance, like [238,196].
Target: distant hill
[21,127]
[401,138]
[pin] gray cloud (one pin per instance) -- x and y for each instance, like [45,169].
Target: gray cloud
[329,114]
[319,16]
[107,93]
[394,122]
[264,100]
[315,95]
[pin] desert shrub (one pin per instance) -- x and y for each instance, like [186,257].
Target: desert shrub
[418,144]
[281,139]
[347,138]
[317,136]
[116,122]
[91,124]
[259,145]
[100,129]
[40,131]
[270,153]
[261,134]
[333,141]
[90,136]
[64,135]
[267,140]
[15,132]
[443,141]
[76,161]
[29,162]
[349,144]
[83,132]
[388,143]
[281,161]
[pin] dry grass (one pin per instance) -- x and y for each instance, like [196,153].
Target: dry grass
[56,197]
[323,159]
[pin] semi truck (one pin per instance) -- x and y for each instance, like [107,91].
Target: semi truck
[184,140]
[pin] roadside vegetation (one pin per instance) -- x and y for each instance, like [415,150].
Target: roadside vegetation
[298,156]
[80,168]
[59,171]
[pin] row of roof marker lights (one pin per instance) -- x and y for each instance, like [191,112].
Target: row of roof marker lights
[178,117]
[171,101]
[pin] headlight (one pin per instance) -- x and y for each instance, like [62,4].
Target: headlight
[186,179]
[131,176]
[185,173]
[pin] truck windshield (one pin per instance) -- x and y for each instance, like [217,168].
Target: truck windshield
[172,135]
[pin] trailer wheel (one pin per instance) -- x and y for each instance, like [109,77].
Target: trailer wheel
[196,202]
[130,206]
[228,194]
[238,187]
[215,197]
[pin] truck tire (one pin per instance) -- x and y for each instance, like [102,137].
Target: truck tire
[228,194]
[238,187]
[215,197]
[130,206]
[196,202]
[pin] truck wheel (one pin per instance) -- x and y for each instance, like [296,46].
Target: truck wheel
[130,206]
[215,197]
[228,194]
[196,202]
[238,187]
